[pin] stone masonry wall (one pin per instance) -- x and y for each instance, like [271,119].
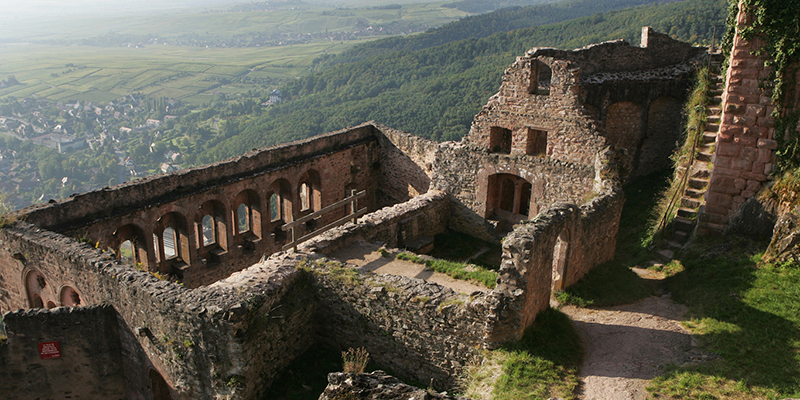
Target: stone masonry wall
[90,365]
[424,215]
[527,268]
[743,157]
[179,330]
[421,331]
[406,165]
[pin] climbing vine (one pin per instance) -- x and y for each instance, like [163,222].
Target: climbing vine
[779,23]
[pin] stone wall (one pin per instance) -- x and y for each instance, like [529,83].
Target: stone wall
[406,164]
[743,156]
[395,226]
[421,331]
[89,363]
[569,105]
[530,258]
[174,331]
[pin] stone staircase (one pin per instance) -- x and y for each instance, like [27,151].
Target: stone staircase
[693,197]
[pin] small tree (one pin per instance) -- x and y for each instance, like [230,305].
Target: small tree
[5,219]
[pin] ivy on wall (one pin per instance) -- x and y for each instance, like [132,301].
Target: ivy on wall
[779,23]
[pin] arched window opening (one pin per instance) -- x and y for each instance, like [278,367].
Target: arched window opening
[243,218]
[560,256]
[70,297]
[275,207]
[309,191]
[36,301]
[209,234]
[127,252]
[305,197]
[525,199]
[169,243]
[540,78]
[500,140]
[507,195]
[50,304]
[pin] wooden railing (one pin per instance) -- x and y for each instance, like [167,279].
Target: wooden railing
[353,215]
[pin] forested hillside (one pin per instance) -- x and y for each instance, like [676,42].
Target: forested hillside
[481,26]
[435,92]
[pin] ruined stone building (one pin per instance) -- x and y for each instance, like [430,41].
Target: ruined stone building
[541,167]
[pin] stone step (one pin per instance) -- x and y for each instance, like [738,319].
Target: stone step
[700,170]
[715,110]
[680,236]
[712,127]
[716,99]
[690,202]
[712,119]
[666,255]
[682,224]
[673,244]
[697,183]
[709,137]
[711,228]
[688,213]
[703,156]
[713,91]
[694,193]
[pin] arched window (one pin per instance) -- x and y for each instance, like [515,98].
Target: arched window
[211,226]
[525,199]
[70,297]
[509,198]
[170,243]
[309,191]
[130,240]
[275,207]
[127,252]
[35,284]
[280,201]
[209,236]
[507,191]
[242,218]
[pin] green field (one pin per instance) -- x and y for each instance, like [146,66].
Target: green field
[187,73]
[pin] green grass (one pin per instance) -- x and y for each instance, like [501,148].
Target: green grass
[744,310]
[456,270]
[544,363]
[457,246]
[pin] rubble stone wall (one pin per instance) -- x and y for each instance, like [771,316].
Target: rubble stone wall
[395,226]
[89,363]
[423,332]
[406,163]
[526,272]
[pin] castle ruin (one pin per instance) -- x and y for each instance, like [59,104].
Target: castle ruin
[541,167]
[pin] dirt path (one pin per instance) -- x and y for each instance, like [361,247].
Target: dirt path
[367,257]
[626,346]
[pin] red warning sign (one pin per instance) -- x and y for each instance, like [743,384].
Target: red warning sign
[49,350]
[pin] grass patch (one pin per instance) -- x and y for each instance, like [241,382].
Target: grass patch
[544,363]
[457,246]
[744,310]
[607,284]
[456,270]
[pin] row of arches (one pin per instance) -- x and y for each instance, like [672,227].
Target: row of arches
[251,220]
[40,294]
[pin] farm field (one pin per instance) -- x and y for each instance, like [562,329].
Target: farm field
[187,73]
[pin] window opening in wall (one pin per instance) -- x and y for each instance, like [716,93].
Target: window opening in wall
[274,207]
[536,142]
[208,230]
[127,252]
[156,240]
[36,301]
[507,195]
[70,297]
[50,304]
[243,218]
[170,243]
[525,199]
[540,78]
[305,197]
[500,140]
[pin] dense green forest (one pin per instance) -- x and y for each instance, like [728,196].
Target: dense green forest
[481,26]
[435,92]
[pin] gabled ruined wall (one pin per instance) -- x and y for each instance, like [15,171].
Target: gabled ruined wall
[90,364]
[527,270]
[406,164]
[584,99]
